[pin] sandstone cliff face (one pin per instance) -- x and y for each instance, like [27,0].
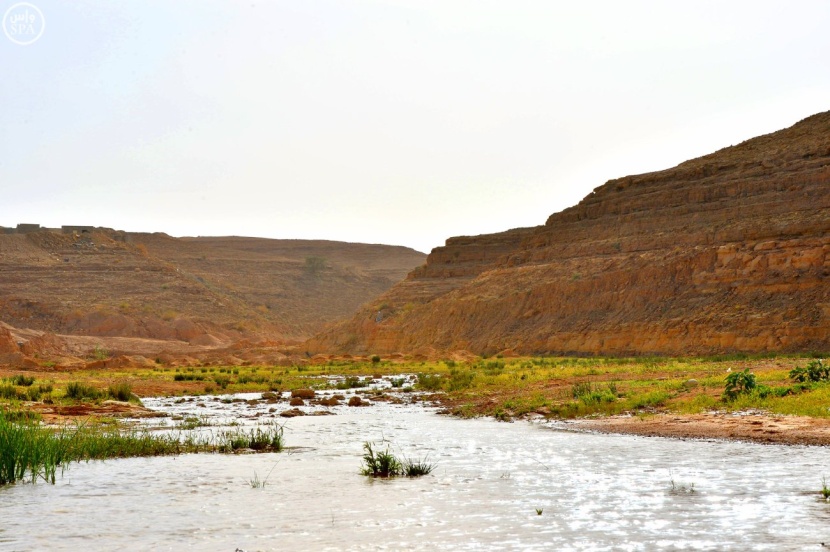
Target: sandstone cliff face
[727,252]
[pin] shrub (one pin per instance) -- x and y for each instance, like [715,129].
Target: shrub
[34,392]
[21,380]
[120,392]
[429,382]
[349,383]
[815,371]
[594,395]
[8,392]
[188,377]
[738,383]
[79,391]
[460,379]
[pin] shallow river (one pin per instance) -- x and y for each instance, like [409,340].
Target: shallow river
[595,492]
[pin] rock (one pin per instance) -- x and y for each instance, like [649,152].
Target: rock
[296,401]
[355,401]
[7,342]
[303,393]
[294,412]
[331,401]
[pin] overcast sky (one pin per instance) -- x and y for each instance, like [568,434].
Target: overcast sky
[400,122]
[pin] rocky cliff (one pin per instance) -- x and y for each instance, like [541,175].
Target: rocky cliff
[728,252]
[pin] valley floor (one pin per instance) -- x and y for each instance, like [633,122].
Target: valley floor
[672,397]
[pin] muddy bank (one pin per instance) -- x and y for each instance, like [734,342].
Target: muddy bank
[754,427]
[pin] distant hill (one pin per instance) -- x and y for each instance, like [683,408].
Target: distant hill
[202,291]
[728,252]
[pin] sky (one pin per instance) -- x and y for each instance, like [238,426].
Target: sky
[400,122]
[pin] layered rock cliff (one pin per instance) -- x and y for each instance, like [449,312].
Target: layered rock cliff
[728,252]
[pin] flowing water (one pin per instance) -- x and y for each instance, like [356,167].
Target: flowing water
[594,492]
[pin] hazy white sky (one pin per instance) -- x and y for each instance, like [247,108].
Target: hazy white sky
[401,122]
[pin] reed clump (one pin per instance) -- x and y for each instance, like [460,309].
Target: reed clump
[385,464]
[32,452]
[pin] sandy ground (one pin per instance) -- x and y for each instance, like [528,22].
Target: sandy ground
[754,427]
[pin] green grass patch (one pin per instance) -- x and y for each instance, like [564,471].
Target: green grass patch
[31,452]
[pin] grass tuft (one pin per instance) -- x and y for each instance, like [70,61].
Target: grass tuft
[386,464]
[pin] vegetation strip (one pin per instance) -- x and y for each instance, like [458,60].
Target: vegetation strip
[505,388]
[31,451]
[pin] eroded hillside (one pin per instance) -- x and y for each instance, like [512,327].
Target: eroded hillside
[198,291]
[727,252]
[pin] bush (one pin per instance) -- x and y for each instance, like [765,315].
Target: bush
[21,380]
[815,371]
[8,392]
[121,392]
[429,382]
[188,377]
[34,392]
[594,395]
[738,383]
[79,391]
[460,379]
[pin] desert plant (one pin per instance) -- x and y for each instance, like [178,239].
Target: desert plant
[417,468]
[79,391]
[21,380]
[386,464]
[589,394]
[380,464]
[815,371]
[261,439]
[429,382]
[36,391]
[460,379]
[738,383]
[9,392]
[121,391]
